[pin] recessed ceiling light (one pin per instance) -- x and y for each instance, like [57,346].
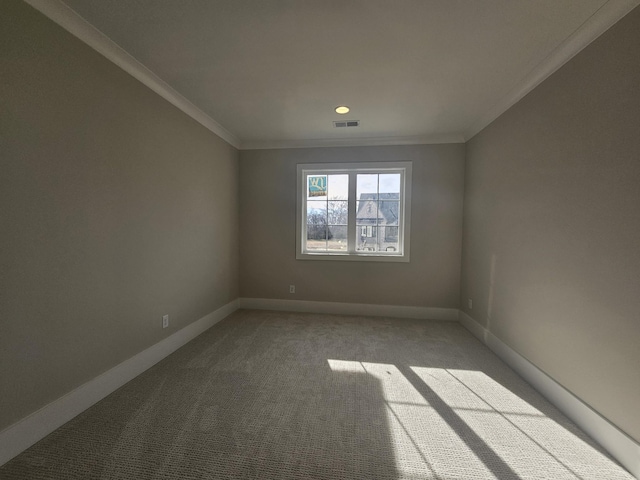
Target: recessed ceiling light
[342,109]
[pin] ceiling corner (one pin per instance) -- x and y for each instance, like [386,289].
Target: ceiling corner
[67,18]
[603,19]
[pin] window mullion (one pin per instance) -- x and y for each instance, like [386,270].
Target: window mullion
[378,215]
[351,216]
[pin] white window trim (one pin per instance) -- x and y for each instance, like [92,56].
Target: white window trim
[352,255]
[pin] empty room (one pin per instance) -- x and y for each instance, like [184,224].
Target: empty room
[318,239]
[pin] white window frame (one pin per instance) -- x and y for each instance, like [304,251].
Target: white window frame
[352,169]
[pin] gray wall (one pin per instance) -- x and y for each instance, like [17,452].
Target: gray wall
[116,208]
[551,249]
[267,224]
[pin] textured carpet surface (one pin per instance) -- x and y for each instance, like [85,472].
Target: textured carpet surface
[272,395]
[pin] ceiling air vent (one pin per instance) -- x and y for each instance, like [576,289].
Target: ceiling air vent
[348,123]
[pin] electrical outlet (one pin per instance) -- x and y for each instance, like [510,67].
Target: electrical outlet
[292,289]
[165,321]
[470,303]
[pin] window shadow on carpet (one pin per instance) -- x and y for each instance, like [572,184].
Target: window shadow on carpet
[277,395]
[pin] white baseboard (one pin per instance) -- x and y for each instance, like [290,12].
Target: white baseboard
[622,447]
[399,311]
[26,432]
[21,435]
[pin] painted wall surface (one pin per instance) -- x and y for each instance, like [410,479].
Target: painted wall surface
[268,230]
[115,208]
[551,249]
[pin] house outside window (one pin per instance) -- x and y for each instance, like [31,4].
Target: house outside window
[356,211]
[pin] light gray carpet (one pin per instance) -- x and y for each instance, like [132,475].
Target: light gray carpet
[271,395]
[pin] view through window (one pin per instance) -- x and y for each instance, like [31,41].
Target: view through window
[355,210]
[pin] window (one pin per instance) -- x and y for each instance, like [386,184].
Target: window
[356,211]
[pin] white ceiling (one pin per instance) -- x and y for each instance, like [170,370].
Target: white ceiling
[270,72]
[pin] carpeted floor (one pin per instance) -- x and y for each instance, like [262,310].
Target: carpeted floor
[272,395]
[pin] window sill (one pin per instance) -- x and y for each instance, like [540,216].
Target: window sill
[353,257]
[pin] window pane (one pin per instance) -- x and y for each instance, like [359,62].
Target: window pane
[390,183]
[367,212]
[337,238]
[316,237]
[338,187]
[388,239]
[367,238]
[367,186]
[316,225]
[316,209]
[316,187]
[338,211]
[390,247]
[389,211]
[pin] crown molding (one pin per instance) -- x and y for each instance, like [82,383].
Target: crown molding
[603,19]
[352,142]
[598,23]
[68,19]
